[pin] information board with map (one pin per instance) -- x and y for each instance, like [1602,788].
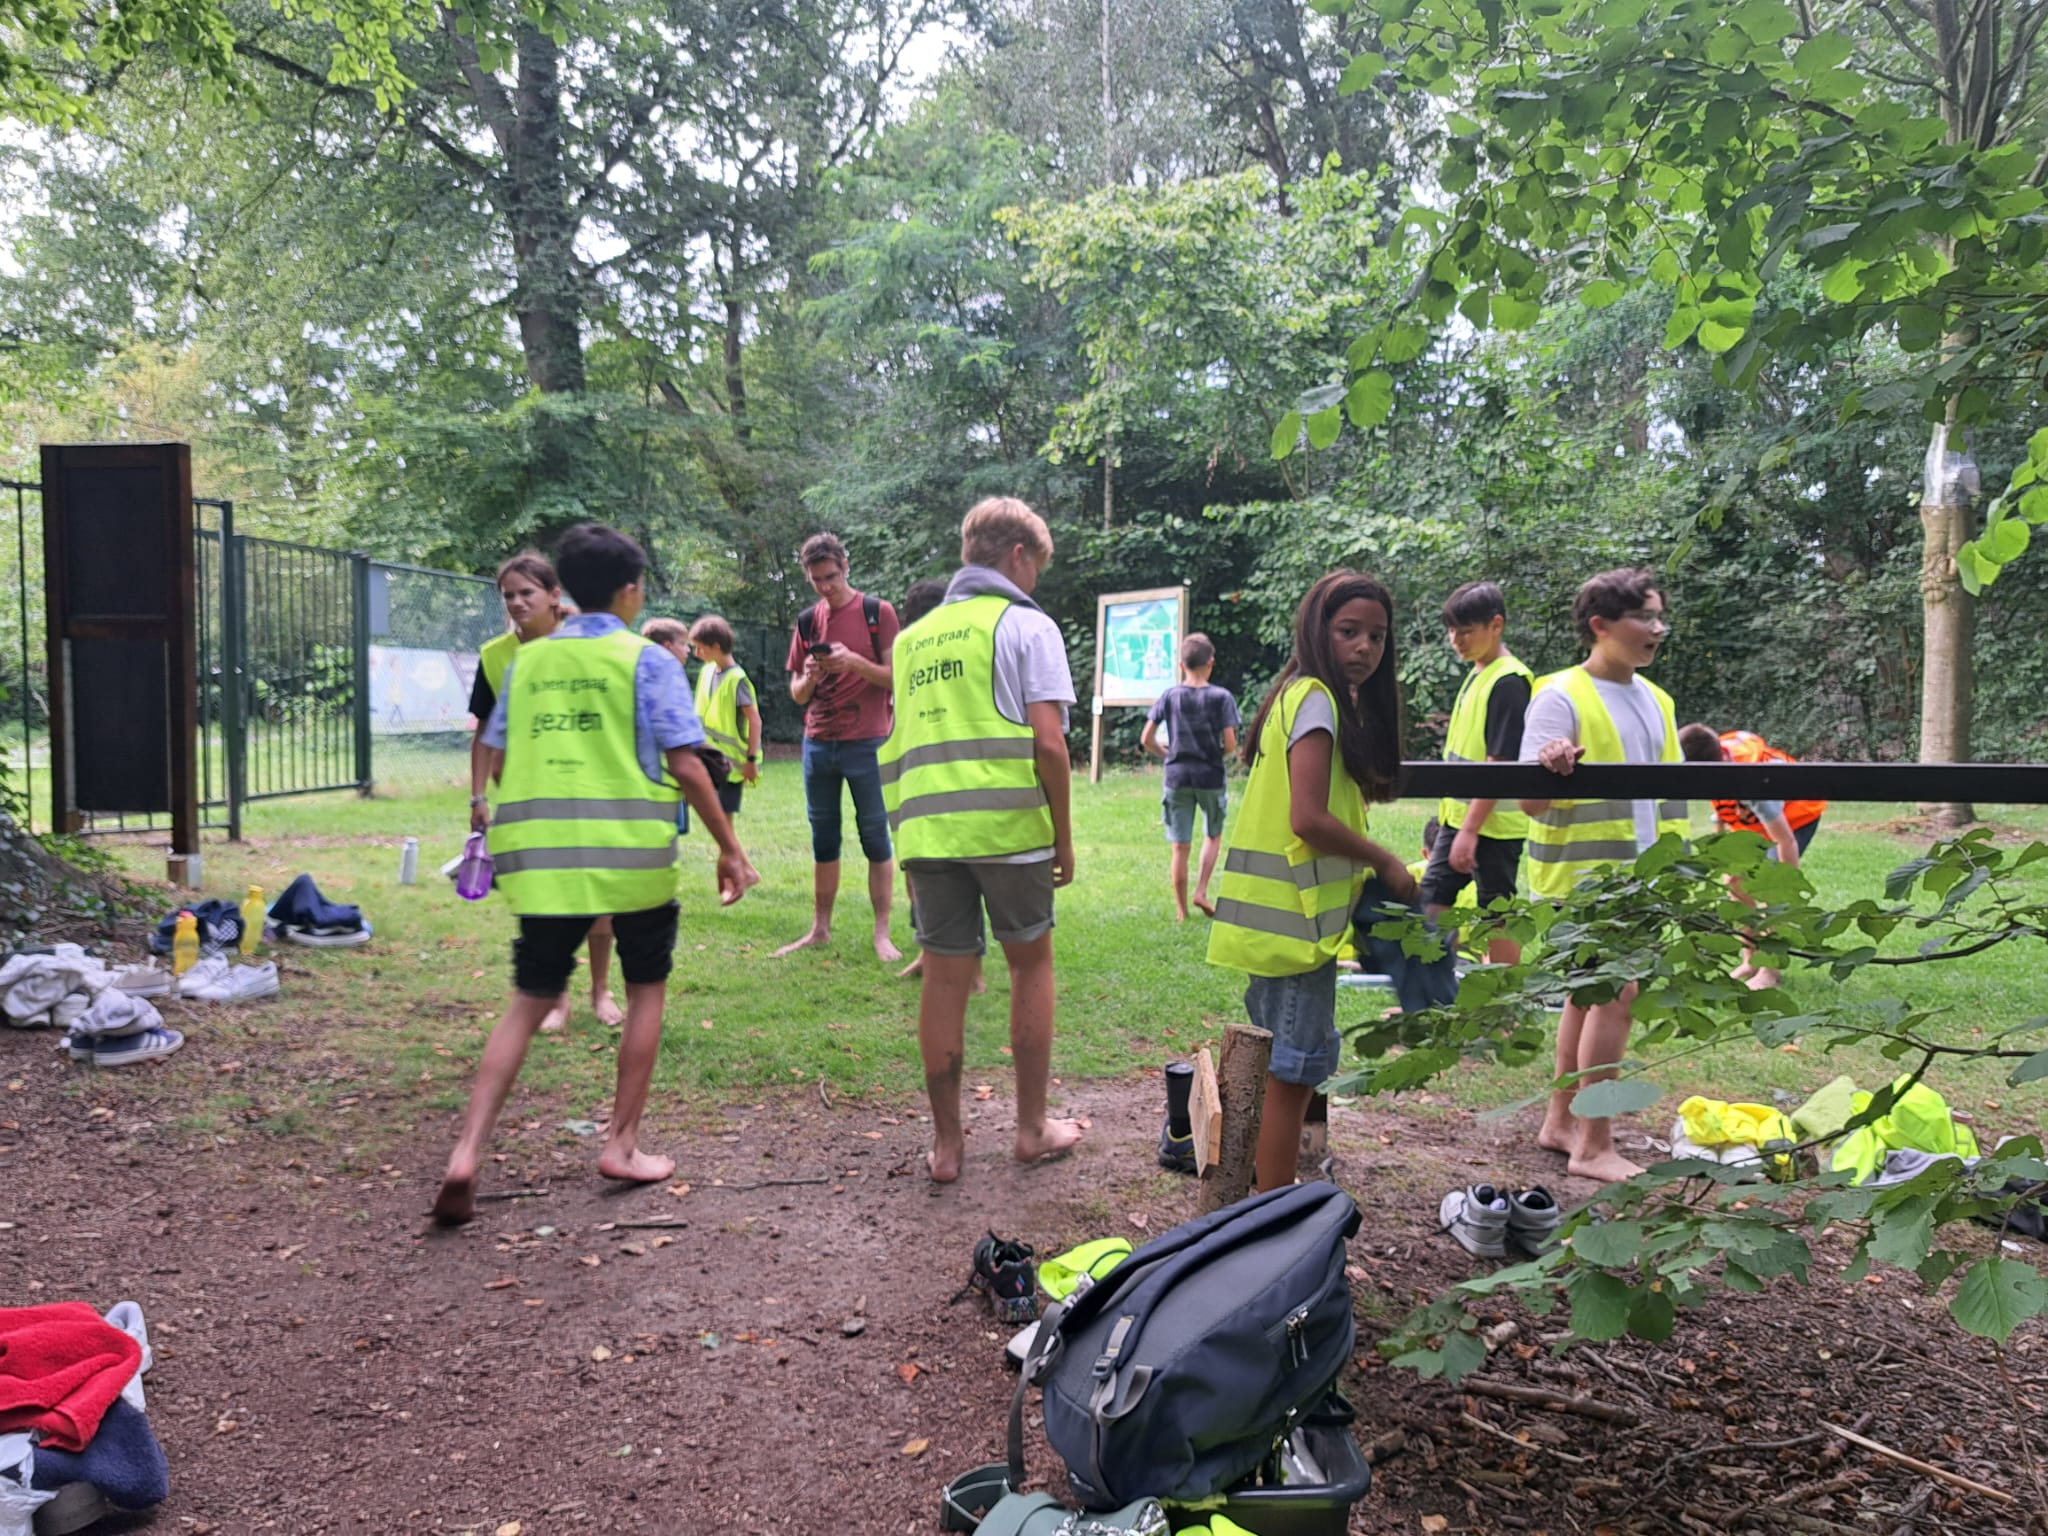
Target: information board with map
[1137,652]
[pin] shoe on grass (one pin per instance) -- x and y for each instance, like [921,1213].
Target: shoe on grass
[1176,1153]
[1477,1216]
[123,1050]
[1533,1220]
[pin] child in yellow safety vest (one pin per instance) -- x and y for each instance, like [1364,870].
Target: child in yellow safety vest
[1603,712]
[1326,740]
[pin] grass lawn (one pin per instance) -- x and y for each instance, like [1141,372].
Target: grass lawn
[414,1006]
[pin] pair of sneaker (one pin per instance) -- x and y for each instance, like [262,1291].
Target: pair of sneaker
[214,980]
[1485,1218]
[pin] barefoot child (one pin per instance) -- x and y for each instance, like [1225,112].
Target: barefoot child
[585,826]
[976,778]
[1326,740]
[1201,732]
[1789,827]
[532,595]
[1600,712]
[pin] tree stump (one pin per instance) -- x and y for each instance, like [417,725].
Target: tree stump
[1241,1085]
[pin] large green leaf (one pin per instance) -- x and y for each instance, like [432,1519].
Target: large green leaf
[1609,1244]
[1600,1305]
[1615,1096]
[1996,1296]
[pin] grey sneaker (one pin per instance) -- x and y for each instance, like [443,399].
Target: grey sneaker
[1533,1220]
[1477,1216]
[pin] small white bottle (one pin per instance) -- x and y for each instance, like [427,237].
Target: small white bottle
[408,861]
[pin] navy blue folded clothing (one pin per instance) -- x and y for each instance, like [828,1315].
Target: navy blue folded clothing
[1418,983]
[300,905]
[220,926]
[123,1461]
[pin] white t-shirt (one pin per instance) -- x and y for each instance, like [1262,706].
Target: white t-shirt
[1637,719]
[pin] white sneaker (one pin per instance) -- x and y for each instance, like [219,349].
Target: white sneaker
[207,973]
[235,984]
[145,980]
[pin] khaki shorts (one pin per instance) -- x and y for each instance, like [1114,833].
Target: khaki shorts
[947,897]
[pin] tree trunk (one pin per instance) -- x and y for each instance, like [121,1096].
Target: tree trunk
[735,323]
[1948,617]
[548,301]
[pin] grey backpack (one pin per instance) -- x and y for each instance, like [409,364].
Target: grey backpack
[1173,1376]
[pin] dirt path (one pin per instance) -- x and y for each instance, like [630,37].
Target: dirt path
[325,1363]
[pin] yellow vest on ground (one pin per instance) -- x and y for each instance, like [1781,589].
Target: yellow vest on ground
[1465,742]
[718,708]
[1576,837]
[578,828]
[496,656]
[1282,908]
[959,777]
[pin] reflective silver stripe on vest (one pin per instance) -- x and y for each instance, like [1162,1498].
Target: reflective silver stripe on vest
[1588,810]
[1454,757]
[520,860]
[983,749]
[948,801]
[1581,853]
[1271,866]
[1673,810]
[731,746]
[583,810]
[1286,925]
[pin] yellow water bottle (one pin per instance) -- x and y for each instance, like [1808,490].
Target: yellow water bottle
[252,919]
[185,944]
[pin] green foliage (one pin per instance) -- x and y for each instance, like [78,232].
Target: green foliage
[1655,1244]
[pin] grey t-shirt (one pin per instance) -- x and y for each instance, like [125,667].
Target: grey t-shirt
[1637,719]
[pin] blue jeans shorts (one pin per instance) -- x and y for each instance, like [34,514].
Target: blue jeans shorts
[827,766]
[1301,1014]
[1177,809]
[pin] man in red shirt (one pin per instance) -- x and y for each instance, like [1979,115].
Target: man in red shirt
[839,671]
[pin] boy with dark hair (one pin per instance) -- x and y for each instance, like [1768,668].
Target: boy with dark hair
[1788,826]
[584,827]
[726,705]
[1201,731]
[1476,837]
[1604,712]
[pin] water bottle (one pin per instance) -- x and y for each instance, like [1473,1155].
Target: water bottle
[473,875]
[252,919]
[408,861]
[184,944]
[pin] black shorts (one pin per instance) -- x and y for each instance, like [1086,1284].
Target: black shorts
[544,954]
[1498,864]
[729,791]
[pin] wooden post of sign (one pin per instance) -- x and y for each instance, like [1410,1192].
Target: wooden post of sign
[1241,1087]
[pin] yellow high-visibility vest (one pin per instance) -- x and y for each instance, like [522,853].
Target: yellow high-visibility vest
[1465,742]
[959,777]
[718,708]
[579,829]
[1574,838]
[1283,909]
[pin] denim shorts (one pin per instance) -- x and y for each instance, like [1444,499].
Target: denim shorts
[829,767]
[1300,1012]
[1177,809]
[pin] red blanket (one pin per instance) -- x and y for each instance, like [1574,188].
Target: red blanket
[61,1366]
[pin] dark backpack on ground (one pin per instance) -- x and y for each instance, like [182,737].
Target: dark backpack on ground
[1173,1376]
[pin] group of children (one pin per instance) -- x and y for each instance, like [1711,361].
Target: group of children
[585,811]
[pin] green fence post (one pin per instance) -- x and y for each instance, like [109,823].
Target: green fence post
[359,602]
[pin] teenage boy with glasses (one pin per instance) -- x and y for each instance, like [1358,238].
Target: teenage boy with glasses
[1600,711]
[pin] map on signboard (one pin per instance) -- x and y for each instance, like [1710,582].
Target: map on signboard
[1140,649]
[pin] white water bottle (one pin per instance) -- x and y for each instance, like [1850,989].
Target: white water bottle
[408,861]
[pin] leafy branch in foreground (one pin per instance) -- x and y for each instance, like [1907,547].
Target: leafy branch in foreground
[1668,925]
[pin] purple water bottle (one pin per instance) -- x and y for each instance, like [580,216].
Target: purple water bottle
[473,875]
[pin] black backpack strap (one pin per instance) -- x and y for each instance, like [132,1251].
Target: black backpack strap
[871,610]
[1034,1360]
[807,625]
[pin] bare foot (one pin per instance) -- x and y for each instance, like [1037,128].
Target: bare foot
[1764,979]
[1557,1136]
[456,1204]
[637,1168]
[1204,905]
[1052,1142]
[887,952]
[944,1163]
[1180,913]
[817,935]
[558,1016]
[915,968]
[1742,972]
[607,1010]
[1607,1167]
